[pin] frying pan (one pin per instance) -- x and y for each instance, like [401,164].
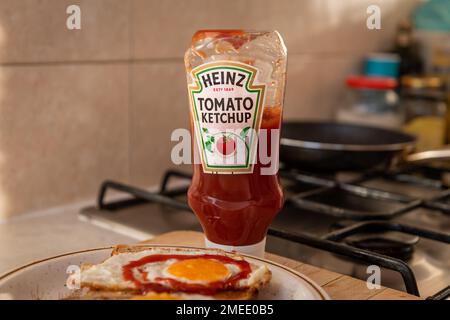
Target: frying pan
[330,146]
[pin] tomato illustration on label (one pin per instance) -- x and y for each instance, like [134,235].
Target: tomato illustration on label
[224,142]
[226,145]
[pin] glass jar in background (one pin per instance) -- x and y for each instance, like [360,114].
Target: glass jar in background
[371,101]
[382,65]
[425,110]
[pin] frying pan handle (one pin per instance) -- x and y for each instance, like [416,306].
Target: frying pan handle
[439,154]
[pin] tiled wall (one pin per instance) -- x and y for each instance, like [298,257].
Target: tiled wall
[80,106]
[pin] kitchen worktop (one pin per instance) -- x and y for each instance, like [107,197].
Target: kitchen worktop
[35,236]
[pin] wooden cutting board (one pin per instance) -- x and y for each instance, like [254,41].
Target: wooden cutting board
[338,286]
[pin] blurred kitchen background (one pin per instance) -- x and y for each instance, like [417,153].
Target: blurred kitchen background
[80,106]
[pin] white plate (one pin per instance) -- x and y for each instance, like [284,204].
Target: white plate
[45,279]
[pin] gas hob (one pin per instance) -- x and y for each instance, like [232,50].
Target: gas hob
[398,220]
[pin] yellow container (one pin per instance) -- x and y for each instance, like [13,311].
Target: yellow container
[425,110]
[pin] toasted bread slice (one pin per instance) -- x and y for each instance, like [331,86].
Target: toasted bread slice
[88,294]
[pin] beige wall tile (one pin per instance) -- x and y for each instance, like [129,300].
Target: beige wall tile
[333,73]
[168,33]
[303,90]
[163,28]
[35,31]
[159,105]
[63,129]
[316,85]
[308,26]
[345,29]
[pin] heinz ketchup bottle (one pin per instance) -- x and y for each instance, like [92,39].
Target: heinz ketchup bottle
[236,83]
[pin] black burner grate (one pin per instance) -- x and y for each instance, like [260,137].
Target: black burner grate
[352,200]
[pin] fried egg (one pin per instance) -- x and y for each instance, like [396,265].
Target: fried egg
[172,270]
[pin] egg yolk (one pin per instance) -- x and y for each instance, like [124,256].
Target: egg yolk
[199,270]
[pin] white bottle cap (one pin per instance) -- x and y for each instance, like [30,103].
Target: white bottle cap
[256,249]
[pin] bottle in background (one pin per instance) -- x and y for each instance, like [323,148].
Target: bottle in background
[408,49]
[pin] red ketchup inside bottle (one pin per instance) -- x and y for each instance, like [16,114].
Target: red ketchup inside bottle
[237,209]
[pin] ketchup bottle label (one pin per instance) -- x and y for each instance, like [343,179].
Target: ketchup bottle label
[227,103]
